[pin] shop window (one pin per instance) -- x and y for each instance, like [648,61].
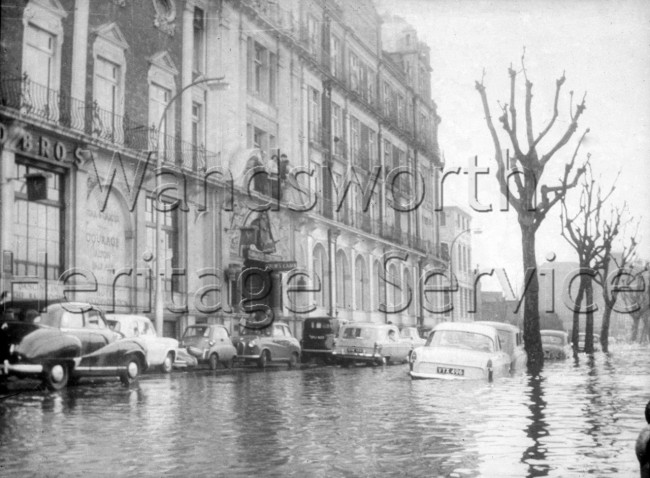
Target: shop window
[170,240]
[38,227]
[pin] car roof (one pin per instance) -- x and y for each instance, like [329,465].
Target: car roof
[552,332]
[467,326]
[499,325]
[126,316]
[373,325]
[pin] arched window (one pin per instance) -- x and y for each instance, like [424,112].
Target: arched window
[320,276]
[393,290]
[342,280]
[361,284]
[379,289]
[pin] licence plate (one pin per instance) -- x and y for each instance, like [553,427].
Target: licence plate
[451,371]
[355,350]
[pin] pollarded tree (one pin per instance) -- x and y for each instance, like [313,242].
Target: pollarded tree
[530,163]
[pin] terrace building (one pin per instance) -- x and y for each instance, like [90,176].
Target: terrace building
[109,115]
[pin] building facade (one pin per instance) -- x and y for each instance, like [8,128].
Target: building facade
[456,249]
[260,157]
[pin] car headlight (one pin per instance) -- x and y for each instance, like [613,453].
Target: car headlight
[252,343]
[414,356]
[12,349]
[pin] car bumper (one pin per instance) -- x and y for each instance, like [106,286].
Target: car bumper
[358,356]
[20,368]
[420,375]
[248,357]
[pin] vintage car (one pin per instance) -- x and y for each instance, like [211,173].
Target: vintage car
[211,344]
[512,343]
[271,344]
[581,342]
[412,334]
[162,352]
[318,335]
[460,350]
[556,344]
[67,341]
[371,343]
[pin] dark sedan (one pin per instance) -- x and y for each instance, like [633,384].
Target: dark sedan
[68,340]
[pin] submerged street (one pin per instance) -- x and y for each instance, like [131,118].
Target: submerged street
[329,421]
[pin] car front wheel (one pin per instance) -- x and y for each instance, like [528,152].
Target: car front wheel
[168,363]
[131,372]
[293,360]
[264,359]
[56,376]
[213,361]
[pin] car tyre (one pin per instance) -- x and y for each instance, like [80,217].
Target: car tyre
[56,376]
[168,363]
[230,363]
[130,375]
[293,360]
[264,359]
[213,361]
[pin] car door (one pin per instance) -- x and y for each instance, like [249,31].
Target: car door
[99,334]
[280,343]
[223,343]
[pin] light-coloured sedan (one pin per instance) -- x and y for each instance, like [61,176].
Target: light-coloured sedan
[161,352]
[461,350]
[371,343]
[512,343]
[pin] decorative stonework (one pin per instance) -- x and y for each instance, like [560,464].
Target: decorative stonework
[165,16]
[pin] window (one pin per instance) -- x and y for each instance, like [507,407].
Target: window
[444,251]
[342,280]
[38,227]
[198,135]
[262,72]
[198,60]
[41,57]
[313,31]
[71,320]
[314,116]
[109,65]
[162,117]
[361,285]
[170,245]
[321,278]
[106,117]
[355,140]
[336,57]
[354,72]
[337,130]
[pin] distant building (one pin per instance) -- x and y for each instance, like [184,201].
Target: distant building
[494,306]
[456,248]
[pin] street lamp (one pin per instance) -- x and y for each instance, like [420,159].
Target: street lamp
[451,260]
[213,84]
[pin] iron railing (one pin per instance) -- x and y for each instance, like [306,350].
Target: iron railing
[39,101]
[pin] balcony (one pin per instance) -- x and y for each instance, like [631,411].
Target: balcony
[39,102]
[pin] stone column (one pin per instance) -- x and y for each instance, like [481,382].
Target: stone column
[79,51]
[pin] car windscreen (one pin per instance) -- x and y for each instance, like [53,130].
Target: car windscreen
[196,331]
[322,326]
[552,340]
[263,332]
[359,333]
[461,339]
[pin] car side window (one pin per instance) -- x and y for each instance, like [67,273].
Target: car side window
[278,331]
[287,332]
[94,320]
[221,333]
[70,320]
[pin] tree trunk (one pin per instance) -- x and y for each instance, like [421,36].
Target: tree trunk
[589,325]
[645,333]
[604,329]
[575,332]
[532,338]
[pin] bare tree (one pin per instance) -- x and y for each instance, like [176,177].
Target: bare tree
[635,294]
[584,232]
[531,165]
[608,261]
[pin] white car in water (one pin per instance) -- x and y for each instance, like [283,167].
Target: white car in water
[161,352]
[460,350]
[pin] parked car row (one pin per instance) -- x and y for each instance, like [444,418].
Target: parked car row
[71,340]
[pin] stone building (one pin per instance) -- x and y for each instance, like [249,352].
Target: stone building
[212,141]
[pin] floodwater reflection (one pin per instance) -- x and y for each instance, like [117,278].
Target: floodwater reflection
[572,420]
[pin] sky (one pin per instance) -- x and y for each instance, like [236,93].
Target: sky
[604,49]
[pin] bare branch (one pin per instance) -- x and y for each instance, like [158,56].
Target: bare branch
[567,135]
[558,86]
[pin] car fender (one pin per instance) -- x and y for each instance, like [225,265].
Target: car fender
[45,344]
[114,355]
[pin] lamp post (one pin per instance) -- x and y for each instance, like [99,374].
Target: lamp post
[213,84]
[451,260]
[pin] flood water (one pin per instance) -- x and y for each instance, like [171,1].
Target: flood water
[574,421]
